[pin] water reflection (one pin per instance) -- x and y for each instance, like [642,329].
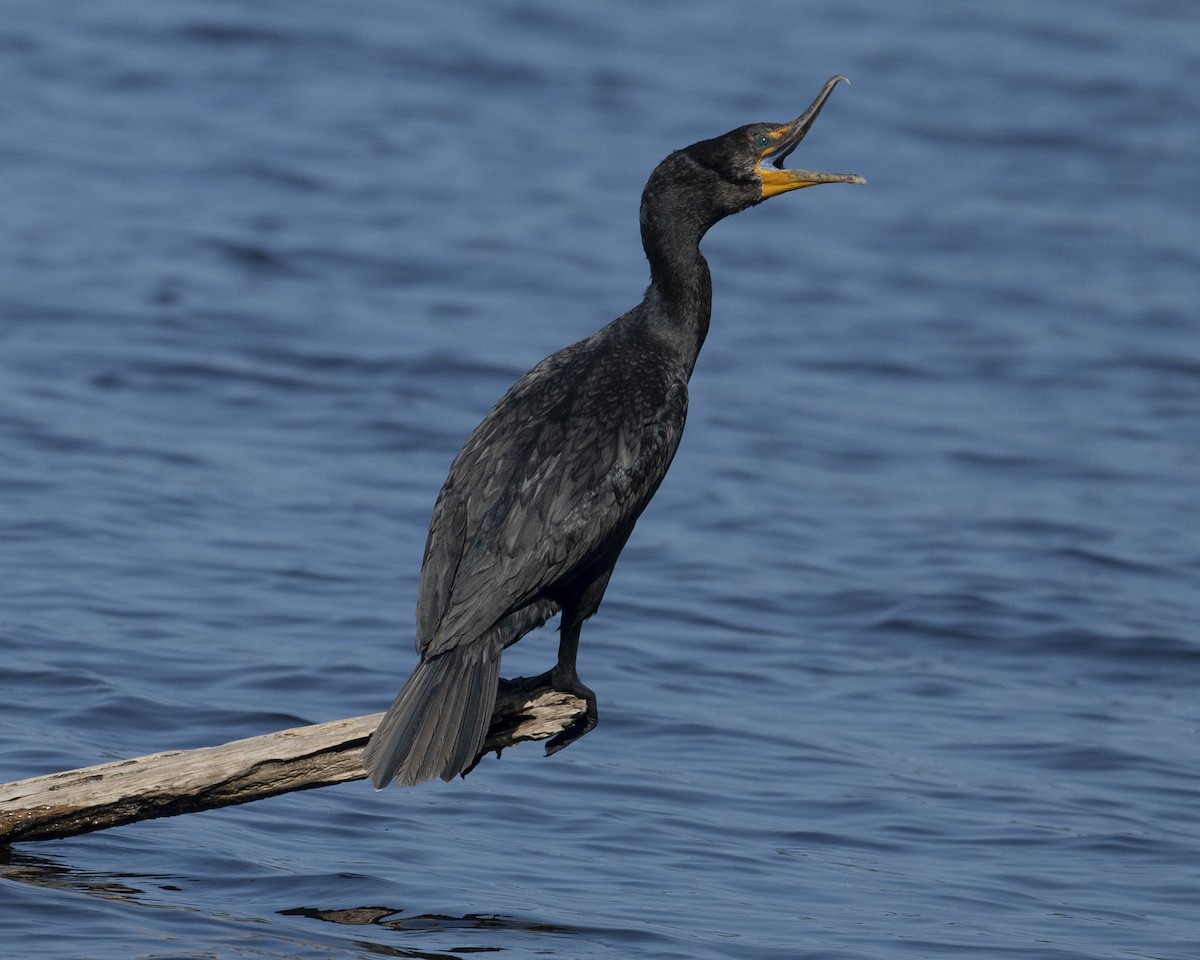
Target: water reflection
[426,922]
[45,872]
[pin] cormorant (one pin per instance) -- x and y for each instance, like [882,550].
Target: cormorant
[546,491]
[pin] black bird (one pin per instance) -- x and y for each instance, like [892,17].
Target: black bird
[546,491]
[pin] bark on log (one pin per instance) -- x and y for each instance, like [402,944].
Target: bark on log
[184,781]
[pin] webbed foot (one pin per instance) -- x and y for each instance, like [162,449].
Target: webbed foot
[569,682]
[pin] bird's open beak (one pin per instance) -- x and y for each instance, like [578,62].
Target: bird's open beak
[785,139]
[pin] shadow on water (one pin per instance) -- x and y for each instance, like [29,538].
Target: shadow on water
[391,919]
[45,872]
[144,890]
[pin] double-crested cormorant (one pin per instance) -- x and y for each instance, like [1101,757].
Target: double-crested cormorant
[546,491]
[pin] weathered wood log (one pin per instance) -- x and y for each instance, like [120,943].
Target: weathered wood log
[185,781]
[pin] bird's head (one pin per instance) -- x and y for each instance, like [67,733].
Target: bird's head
[718,177]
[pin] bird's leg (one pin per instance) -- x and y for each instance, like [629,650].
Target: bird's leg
[564,677]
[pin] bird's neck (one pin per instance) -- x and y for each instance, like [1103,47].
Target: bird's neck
[680,293]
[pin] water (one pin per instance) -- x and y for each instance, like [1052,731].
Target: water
[902,661]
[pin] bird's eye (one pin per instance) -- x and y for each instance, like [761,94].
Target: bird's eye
[763,141]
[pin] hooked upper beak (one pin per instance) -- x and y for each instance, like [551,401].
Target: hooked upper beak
[785,139]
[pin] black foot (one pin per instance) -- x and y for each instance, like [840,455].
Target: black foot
[569,682]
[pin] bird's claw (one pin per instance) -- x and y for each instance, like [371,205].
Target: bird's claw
[568,681]
[573,732]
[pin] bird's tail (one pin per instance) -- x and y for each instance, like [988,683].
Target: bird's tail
[436,725]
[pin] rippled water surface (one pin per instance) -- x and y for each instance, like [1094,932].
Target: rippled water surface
[901,663]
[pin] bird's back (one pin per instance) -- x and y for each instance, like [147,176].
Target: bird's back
[549,484]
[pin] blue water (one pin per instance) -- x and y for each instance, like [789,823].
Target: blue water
[901,663]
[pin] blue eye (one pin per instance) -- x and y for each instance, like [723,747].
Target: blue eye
[763,142]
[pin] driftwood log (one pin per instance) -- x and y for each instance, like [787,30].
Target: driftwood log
[185,781]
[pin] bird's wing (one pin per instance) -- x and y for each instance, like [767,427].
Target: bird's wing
[560,467]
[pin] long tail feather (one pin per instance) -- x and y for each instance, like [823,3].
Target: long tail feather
[436,725]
